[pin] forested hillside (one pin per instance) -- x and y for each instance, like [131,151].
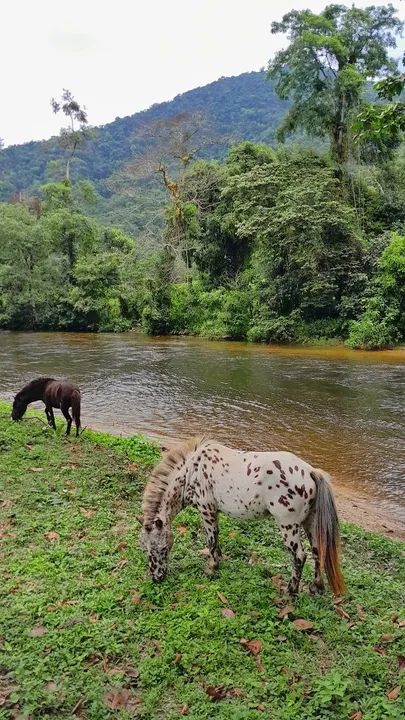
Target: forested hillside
[238,108]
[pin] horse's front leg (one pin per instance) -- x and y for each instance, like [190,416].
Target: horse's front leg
[50,416]
[209,518]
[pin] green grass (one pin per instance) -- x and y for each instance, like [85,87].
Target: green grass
[85,634]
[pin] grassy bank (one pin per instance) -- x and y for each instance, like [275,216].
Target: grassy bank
[84,633]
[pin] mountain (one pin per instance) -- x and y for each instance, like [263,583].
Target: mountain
[244,107]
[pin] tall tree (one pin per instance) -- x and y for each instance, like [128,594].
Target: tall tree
[71,137]
[166,149]
[325,67]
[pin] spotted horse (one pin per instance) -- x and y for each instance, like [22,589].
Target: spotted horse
[243,485]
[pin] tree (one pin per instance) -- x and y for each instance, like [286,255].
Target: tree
[325,68]
[71,137]
[166,149]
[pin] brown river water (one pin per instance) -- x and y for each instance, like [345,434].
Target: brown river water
[341,410]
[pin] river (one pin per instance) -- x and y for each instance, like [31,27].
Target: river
[341,410]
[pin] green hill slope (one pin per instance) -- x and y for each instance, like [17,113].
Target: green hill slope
[244,107]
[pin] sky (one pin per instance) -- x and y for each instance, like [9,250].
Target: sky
[121,57]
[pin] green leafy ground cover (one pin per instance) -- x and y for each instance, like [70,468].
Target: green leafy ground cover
[85,634]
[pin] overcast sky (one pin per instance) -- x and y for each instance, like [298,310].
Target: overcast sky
[122,56]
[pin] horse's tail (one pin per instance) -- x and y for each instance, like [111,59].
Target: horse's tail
[76,408]
[326,528]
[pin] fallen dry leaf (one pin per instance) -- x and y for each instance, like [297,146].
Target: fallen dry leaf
[121,546]
[279,600]
[114,670]
[220,692]
[401,662]
[254,559]
[38,631]
[401,623]
[36,469]
[86,512]
[121,563]
[184,710]
[177,658]
[277,581]
[232,534]
[181,529]
[285,611]
[261,707]
[356,715]
[360,613]
[254,646]
[135,598]
[302,625]
[228,613]
[340,611]
[216,693]
[121,699]
[52,536]
[222,598]
[394,693]
[380,649]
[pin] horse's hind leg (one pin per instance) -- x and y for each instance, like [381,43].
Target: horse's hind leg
[317,586]
[292,541]
[65,412]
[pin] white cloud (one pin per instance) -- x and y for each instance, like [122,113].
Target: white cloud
[120,57]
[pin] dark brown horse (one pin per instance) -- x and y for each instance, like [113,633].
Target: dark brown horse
[55,394]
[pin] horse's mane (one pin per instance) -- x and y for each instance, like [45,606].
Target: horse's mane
[33,384]
[159,480]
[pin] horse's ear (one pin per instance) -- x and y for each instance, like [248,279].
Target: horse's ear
[159,523]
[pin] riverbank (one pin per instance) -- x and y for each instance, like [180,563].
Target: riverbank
[84,633]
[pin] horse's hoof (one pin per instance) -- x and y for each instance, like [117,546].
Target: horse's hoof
[210,570]
[316,588]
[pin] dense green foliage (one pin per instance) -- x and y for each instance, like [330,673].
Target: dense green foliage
[285,244]
[63,271]
[276,253]
[85,633]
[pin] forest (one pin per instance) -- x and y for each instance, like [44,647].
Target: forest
[277,217]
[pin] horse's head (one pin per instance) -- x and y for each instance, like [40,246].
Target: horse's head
[19,407]
[157,540]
